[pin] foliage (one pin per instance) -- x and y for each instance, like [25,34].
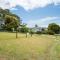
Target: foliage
[31,31]
[44,32]
[50,32]
[36,25]
[10,20]
[24,28]
[38,32]
[54,28]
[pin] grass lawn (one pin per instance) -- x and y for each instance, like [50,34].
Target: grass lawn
[37,47]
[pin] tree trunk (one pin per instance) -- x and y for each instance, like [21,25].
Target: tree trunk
[16,33]
[26,35]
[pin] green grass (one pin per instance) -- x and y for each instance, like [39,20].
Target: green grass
[30,48]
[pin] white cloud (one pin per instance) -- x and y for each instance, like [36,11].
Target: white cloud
[27,4]
[42,22]
[3,4]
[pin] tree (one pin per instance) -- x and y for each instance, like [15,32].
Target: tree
[36,25]
[31,32]
[54,28]
[24,28]
[5,12]
[11,22]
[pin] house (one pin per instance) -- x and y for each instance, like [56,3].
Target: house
[38,29]
[35,29]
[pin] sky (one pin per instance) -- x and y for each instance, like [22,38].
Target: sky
[31,12]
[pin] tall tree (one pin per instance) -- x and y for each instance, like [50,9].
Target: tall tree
[10,20]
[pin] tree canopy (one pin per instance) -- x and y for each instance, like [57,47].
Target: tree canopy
[10,20]
[24,28]
[54,28]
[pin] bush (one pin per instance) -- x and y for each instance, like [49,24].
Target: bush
[50,32]
[24,30]
[38,32]
[44,32]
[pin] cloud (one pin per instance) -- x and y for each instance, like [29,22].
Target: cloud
[3,4]
[43,22]
[27,4]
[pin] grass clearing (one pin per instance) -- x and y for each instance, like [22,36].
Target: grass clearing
[30,48]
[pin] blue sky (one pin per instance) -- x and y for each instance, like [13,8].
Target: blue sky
[40,12]
[50,13]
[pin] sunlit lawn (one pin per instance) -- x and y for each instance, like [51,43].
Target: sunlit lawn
[22,48]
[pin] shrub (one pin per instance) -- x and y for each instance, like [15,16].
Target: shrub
[50,32]
[38,32]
